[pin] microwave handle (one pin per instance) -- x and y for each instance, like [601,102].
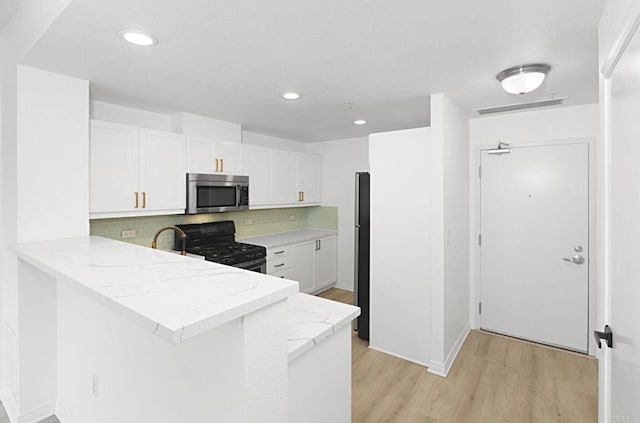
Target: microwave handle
[238,195]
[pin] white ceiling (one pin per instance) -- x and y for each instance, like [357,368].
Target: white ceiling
[7,9]
[232,59]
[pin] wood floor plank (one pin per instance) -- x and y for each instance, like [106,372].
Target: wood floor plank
[494,379]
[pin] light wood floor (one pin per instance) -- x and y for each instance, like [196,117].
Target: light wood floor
[494,379]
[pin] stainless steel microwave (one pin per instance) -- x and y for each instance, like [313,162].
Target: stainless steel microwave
[216,193]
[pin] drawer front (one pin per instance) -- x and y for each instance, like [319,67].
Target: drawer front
[277,253]
[278,264]
[286,274]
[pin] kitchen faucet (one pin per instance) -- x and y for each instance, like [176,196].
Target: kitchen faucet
[183,236]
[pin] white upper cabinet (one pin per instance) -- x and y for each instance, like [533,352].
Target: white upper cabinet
[135,171]
[208,156]
[279,178]
[114,167]
[162,175]
[308,179]
[284,177]
[256,162]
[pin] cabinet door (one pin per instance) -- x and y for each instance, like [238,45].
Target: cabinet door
[256,163]
[309,178]
[284,177]
[325,267]
[162,170]
[201,156]
[230,156]
[303,257]
[113,167]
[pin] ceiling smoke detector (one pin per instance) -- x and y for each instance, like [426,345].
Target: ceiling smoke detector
[524,78]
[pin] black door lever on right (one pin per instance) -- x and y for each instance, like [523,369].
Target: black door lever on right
[607,335]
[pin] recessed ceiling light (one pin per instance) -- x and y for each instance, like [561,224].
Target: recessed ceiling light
[524,78]
[290,95]
[360,122]
[138,38]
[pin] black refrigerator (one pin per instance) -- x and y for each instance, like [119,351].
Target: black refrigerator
[361,280]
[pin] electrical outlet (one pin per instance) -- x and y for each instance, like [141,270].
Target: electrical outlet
[94,385]
[292,217]
[131,233]
[248,221]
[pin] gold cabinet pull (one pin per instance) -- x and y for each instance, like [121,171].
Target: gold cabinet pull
[144,200]
[216,165]
[136,200]
[221,165]
[302,195]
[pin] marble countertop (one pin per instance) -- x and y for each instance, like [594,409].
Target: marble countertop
[291,237]
[314,319]
[172,296]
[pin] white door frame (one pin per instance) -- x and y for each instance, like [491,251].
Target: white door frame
[475,281]
[611,59]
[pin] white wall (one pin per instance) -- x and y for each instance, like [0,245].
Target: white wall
[540,126]
[272,142]
[205,127]
[455,126]
[30,21]
[109,112]
[53,151]
[340,160]
[450,233]
[402,241]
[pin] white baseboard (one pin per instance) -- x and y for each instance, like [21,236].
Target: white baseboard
[62,415]
[10,405]
[32,416]
[399,356]
[442,369]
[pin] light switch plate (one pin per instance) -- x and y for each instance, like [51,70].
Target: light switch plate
[292,217]
[248,221]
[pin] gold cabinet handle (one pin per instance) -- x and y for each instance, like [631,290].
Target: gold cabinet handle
[144,200]
[302,195]
[136,200]
[221,165]
[299,196]
[216,165]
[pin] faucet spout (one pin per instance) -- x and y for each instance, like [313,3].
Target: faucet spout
[181,234]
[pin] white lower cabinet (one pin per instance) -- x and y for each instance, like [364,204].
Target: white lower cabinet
[313,264]
[304,258]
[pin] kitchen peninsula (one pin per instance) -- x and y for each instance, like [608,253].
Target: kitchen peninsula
[143,335]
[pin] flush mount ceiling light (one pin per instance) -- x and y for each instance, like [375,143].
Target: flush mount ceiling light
[360,122]
[138,38]
[524,78]
[290,95]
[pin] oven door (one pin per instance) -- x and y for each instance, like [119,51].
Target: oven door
[216,193]
[259,265]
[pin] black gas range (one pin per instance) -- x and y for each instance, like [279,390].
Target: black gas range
[216,241]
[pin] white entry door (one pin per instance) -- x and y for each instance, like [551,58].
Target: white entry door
[620,366]
[534,244]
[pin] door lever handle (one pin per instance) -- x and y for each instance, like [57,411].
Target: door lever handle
[577,259]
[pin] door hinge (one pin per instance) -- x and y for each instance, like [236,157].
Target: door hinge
[480,240]
[479,308]
[479,171]
[606,336]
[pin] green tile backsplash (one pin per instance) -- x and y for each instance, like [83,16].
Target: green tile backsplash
[263,222]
